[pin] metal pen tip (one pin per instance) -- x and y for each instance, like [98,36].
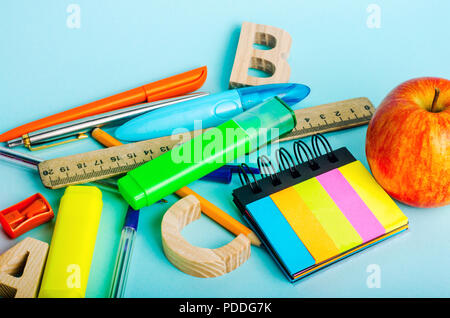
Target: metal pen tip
[15,142]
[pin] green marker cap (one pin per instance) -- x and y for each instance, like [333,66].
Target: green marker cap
[266,121]
[205,153]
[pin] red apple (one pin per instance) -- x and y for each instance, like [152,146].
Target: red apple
[408,142]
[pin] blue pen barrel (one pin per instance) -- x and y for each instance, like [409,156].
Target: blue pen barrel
[123,259]
[124,253]
[205,112]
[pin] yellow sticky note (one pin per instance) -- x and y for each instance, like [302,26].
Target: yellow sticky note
[373,195]
[305,224]
[328,214]
[72,247]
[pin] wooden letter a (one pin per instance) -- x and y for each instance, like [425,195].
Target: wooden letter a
[21,269]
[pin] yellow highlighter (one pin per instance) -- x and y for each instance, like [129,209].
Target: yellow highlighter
[72,247]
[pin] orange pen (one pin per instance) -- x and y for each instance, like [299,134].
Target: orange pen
[166,88]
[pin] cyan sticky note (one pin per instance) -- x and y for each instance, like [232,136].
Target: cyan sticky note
[285,242]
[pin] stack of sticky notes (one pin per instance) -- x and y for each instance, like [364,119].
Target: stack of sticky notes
[315,217]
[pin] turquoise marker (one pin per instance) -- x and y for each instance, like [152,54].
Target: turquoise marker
[211,110]
[205,153]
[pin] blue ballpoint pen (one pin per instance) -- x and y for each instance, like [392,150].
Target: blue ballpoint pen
[124,254]
[211,110]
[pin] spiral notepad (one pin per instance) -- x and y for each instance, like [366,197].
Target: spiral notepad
[316,210]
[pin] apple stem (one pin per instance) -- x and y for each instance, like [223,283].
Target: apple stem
[436,96]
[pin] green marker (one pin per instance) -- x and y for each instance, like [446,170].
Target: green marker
[207,152]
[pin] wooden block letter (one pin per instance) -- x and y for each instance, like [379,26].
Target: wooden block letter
[21,269]
[193,260]
[271,61]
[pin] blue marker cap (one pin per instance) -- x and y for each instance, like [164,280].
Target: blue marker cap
[225,173]
[132,218]
[236,169]
[222,175]
[290,93]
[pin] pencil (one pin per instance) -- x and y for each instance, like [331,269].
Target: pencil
[104,138]
[211,210]
[220,216]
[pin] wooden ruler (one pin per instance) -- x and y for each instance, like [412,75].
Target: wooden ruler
[331,117]
[109,162]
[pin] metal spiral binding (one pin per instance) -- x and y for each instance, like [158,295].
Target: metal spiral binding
[282,155]
[263,164]
[326,145]
[286,162]
[243,174]
[300,145]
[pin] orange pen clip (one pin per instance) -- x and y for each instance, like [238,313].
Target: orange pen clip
[166,88]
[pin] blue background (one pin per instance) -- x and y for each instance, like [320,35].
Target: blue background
[47,67]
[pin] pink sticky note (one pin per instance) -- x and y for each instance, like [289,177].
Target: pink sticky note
[351,205]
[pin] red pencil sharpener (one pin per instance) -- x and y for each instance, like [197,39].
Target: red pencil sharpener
[26,215]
